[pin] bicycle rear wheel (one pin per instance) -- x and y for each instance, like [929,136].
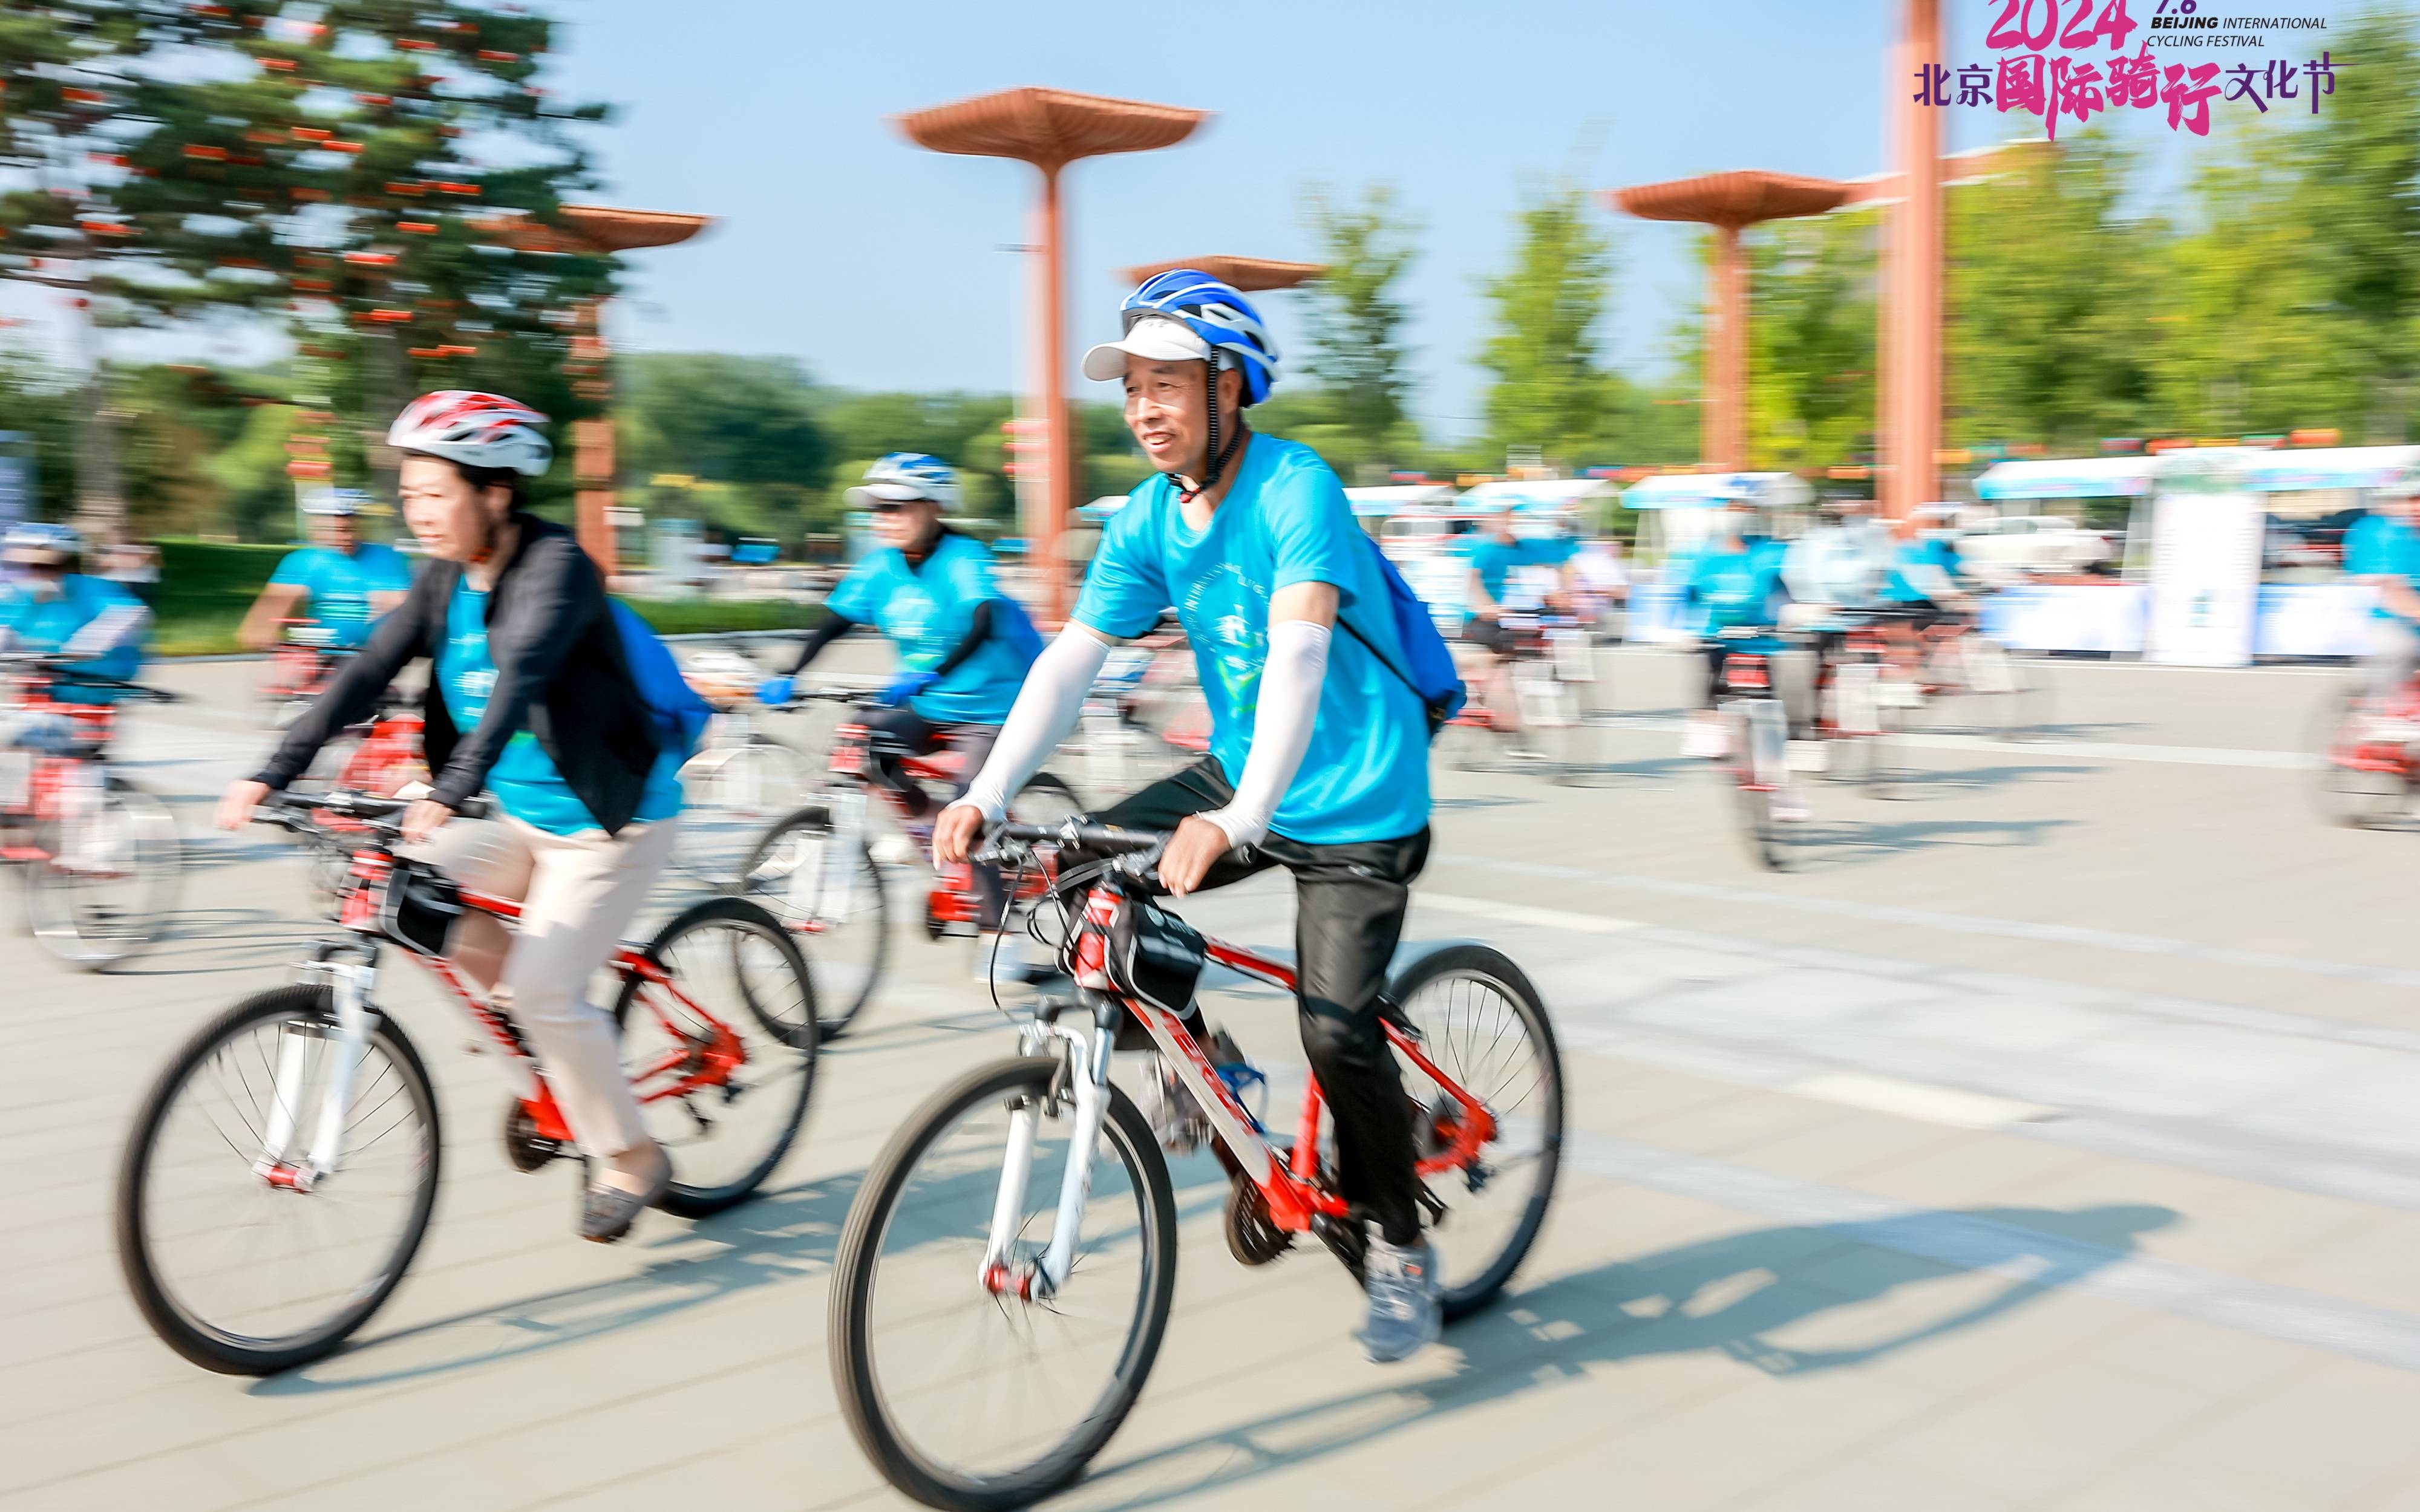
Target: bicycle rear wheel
[106,881]
[247,1277]
[726,1133]
[1756,775]
[790,875]
[1481,1023]
[964,1397]
[2363,781]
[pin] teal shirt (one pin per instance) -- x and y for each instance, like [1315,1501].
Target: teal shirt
[2381,545]
[925,610]
[340,585]
[1736,586]
[525,781]
[1493,560]
[102,622]
[1285,520]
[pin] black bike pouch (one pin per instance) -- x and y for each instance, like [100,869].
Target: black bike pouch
[1157,957]
[421,906]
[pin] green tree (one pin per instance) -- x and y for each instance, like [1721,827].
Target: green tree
[1549,388]
[1352,315]
[1811,347]
[741,430]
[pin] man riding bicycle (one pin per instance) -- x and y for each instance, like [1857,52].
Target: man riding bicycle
[1319,749]
[2382,552]
[531,697]
[343,583]
[52,609]
[1494,589]
[963,645]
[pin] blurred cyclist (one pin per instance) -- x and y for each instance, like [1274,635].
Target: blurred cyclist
[51,607]
[1734,584]
[2382,552]
[1922,583]
[342,582]
[532,698]
[963,644]
[1319,749]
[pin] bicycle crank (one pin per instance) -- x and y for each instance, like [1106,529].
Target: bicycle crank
[1252,1237]
[525,1145]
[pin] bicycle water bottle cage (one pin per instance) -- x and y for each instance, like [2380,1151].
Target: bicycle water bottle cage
[1157,957]
[420,907]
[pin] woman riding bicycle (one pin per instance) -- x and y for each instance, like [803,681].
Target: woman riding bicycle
[1319,753]
[963,645]
[532,698]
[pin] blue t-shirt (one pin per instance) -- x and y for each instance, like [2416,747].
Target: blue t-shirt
[1736,585]
[2381,545]
[340,585]
[1285,520]
[1899,588]
[91,619]
[1494,559]
[524,780]
[925,611]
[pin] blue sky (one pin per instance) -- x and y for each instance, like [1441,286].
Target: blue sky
[880,264]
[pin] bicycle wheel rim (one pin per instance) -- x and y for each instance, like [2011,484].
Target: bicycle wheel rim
[942,1379]
[237,1272]
[847,941]
[726,1133]
[99,896]
[1484,1028]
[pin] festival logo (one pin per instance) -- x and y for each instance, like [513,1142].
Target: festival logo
[2068,61]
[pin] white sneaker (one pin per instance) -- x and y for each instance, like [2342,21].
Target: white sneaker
[895,850]
[1808,756]
[1702,737]
[1788,808]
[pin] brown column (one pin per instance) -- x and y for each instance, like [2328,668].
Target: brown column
[1722,424]
[1911,404]
[1059,465]
[592,442]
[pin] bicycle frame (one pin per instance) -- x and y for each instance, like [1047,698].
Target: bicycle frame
[352,974]
[1289,1184]
[48,777]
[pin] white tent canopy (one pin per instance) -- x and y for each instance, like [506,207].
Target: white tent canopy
[1682,491]
[2091,477]
[1396,497]
[1540,494]
[2330,466]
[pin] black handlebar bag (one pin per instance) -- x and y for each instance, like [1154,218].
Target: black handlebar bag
[421,906]
[1157,957]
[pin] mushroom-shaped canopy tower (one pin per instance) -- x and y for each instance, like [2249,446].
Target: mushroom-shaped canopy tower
[1252,276]
[1050,129]
[1729,202]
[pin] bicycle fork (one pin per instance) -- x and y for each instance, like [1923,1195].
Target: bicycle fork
[301,1045]
[1087,1060]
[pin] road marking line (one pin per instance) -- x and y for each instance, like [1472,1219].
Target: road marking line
[1926,1104]
[2033,1257]
[2014,929]
[1523,914]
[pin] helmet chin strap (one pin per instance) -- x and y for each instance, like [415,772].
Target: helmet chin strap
[1217,459]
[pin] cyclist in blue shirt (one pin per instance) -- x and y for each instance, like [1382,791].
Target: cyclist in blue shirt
[1319,759]
[344,583]
[53,610]
[2383,551]
[963,644]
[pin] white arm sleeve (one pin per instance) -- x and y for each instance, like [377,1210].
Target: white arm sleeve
[1281,722]
[1045,710]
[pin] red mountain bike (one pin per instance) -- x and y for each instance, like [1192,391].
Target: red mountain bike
[1007,1268]
[282,1169]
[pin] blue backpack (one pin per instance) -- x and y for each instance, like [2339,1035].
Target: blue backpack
[1427,667]
[1013,626]
[680,715]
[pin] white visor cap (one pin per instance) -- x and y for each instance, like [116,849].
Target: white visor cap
[1154,339]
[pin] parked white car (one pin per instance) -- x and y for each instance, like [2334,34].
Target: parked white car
[2010,547]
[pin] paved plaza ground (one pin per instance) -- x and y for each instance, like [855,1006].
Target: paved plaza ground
[2048,1137]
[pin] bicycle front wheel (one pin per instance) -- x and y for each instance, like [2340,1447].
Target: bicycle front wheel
[970,1398]
[106,879]
[722,1056]
[234,1270]
[841,910]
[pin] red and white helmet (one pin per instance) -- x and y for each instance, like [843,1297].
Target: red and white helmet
[478,430]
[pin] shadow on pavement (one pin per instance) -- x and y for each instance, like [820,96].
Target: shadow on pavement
[1828,847]
[1730,1296]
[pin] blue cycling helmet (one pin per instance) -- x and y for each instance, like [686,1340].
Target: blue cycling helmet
[1221,319]
[338,502]
[907,475]
[38,542]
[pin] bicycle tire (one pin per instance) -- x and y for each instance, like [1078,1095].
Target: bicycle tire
[690,1199]
[219,1350]
[1494,967]
[51,912]
[1752,806]
[756,882]
[854,1371]
[2354,798]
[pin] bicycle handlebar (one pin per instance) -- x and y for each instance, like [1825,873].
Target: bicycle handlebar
[1102,839]
[65,670]
[298,811]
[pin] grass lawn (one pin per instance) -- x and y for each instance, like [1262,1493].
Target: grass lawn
[205,587]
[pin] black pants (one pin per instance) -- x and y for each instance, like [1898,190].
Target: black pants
[897,733]
[1349,906]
